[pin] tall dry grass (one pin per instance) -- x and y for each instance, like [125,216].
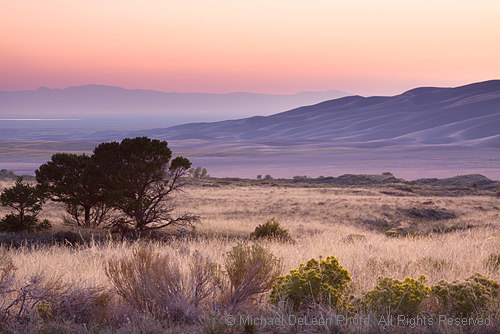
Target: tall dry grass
[230,214]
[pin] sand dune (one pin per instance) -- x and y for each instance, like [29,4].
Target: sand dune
[467,115]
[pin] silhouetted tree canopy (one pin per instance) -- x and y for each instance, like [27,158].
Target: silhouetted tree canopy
[72,180]
[26,201]
[133,178]
[137,178]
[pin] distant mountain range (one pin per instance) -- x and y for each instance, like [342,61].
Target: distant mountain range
[465,116]
[98,100]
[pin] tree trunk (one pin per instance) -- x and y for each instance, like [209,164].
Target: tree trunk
[87,216]
[21,215]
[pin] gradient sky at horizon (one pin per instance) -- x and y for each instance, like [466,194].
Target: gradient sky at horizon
[365,47]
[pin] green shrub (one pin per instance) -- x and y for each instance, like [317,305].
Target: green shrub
[26,201]
[251,270]
[271,230]
[44,309]
[12,223]
[464,298]
[5,173]
[43,225]
[318,281]
[397,297]
[198,173]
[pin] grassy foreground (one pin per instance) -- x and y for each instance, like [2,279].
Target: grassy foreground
[372,231]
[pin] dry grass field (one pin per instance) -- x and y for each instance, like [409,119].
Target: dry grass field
[370,232]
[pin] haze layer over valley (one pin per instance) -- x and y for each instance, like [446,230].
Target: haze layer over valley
[119,108]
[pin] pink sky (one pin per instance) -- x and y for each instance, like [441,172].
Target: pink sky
[283,46]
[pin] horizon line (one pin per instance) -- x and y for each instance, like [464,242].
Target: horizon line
[176,92]
[246,92]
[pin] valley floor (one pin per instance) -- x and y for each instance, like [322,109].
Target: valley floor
[247,159]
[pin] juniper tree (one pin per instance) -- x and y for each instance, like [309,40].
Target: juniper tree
[139,178]
[73,180]
[26,201]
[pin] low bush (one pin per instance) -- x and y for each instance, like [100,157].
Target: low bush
[69,237]
[155,284]
[35,289]
[318,281]
[429,264]
[379,224]
[467,297]
[215,324]
[271,230]
[12,223]
[379,267]
[251,270]
[26,201]
[51,298]
[429,213]
[164,288]
[493,262]
[392,296]
[198,173]
[81,304]
[7,174]
[142,324]
[7,270]
[354,237]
